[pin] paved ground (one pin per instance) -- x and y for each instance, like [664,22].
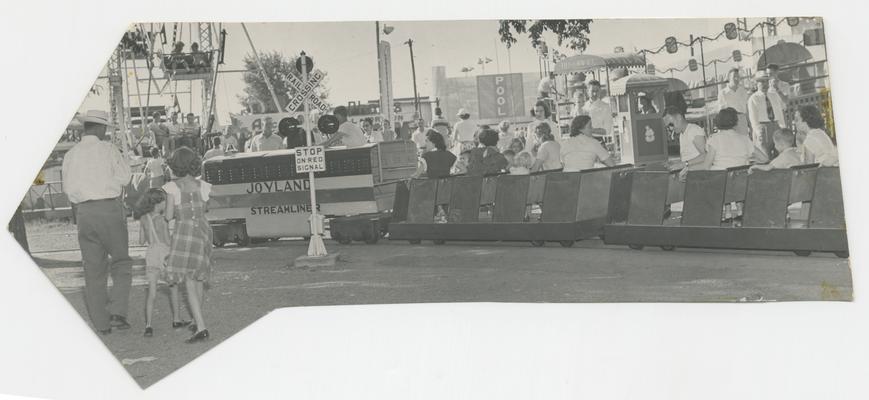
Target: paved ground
[249,282]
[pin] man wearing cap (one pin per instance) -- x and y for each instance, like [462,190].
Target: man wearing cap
[94,174]
[766,114]
[736,97]
[464,131]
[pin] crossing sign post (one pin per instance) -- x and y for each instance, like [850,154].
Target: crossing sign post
[314,156]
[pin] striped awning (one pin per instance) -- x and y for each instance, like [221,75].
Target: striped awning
[588,62]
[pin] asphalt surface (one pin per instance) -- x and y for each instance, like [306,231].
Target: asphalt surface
[250,282]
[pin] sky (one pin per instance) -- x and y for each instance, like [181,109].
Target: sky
[346,52]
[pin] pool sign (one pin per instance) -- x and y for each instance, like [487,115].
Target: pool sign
[310,159]
[500,96]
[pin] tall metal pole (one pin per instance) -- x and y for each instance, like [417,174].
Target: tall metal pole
[383,104]
[316,247]
[703,69]
[262,70]
[409,43]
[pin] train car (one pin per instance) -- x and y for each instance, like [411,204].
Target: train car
[261,196]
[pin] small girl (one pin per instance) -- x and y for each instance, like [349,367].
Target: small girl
[190,253]
[522,164]
[154,231]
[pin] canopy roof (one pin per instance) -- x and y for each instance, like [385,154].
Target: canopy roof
[589,62]
[676,85]
[621,85]
[783,53]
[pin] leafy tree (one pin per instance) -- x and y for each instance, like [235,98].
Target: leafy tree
[574,31]
[277,66]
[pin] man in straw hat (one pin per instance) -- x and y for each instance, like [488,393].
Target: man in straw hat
[94,174]
[766,113]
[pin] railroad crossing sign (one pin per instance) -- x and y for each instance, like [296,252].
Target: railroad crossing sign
[306,91]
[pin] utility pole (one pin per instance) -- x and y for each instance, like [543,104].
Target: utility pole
[409,44]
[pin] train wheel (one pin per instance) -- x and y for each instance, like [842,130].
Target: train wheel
[668,248]
[415,241]
[218,244]
[439,241]
[538,243]
[635,246]
[567,243]
[842,254]
[803,253]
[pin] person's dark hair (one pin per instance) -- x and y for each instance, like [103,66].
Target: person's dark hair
[191,115]
[340,110]
[184,162]
[727,118]
[594,82]
[508,152]
[147,201]
[546,112]
[216,141]
[155,152]
[156,116]
[812,117]
[773,67]
[436,138]
[732,70]
[439,112]
[578,123]
[545,132]
[465,116]
[369,120]
[674,110]
[488,137]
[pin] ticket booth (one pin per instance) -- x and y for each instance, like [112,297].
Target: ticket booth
[639,100]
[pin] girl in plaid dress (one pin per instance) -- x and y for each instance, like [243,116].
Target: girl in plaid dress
[190,253]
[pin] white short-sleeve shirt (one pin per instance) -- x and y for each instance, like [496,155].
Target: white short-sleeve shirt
[821,146]
[687,150]
[581,152]
[732,149]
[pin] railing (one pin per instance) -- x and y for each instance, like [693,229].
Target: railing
[48,196]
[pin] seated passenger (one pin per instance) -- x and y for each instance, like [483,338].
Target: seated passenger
[438,161]
[785,145]
[487,160]
[582,150]
[816,145]
[461,165]
[522,164]
[729,148]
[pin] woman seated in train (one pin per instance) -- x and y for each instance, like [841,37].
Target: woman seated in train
[581,151]
[436,161]
[548,151]
[487,159]
[728,148]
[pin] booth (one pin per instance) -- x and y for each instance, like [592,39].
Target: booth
[638,100]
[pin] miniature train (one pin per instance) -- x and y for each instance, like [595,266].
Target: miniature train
[368,193]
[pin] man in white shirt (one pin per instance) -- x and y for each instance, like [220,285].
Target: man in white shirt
[348,134]
[464,130]
[599,110]
[735,96]
[766,112]
[776,83]
[267,140]
[547,86]
[94,175]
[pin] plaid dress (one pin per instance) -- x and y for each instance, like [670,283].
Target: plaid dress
[190,252]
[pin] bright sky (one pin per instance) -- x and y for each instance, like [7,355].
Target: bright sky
[346,52]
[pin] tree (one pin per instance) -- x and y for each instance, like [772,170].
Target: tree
[574,31]
[277,67]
